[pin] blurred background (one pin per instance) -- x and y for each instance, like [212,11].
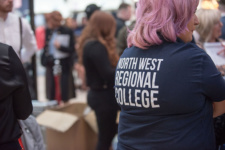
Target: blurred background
[34,11]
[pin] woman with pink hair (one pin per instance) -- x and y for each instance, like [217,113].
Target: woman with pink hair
[168,88]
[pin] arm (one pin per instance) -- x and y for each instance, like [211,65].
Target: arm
[213,86]
[221,68]
[218,108]
[29,42]
[22,105]
[70,48]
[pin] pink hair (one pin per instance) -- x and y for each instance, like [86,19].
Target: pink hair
[168,18]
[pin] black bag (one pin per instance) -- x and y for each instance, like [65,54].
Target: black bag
[219,128]
[46,59]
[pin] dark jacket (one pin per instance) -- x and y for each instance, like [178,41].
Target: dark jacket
[66,80]
[120,23]
[61,30]
[99,72]
[15,100]
[223,28]
[121,43]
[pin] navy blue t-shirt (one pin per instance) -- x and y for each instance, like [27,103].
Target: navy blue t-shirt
[166,94]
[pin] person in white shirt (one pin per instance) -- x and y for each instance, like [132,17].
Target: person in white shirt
[10,32]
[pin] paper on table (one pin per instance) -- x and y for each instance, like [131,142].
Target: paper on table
[63,40]
[212,49]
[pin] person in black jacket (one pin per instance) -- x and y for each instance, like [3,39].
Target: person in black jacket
[15,99]
[59,47]
[124,14]
[97,52]
[222,19]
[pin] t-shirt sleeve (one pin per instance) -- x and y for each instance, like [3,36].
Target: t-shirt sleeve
[213,84]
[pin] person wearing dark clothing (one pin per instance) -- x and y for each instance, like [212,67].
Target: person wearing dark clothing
[64,54]
[101,97]
[222,19]
[90,9]
[124,14]
[120,23]
[121,43]
[97,53]
[223,29]
[168,88]
[15,99]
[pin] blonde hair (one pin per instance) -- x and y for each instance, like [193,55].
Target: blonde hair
[207,19]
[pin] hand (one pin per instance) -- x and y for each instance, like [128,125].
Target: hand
[221,68]
[57,45]
[222,52]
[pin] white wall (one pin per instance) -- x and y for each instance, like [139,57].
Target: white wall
[68,6]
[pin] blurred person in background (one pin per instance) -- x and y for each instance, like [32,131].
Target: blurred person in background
[72,24]
[121,43]
[40,31]
[15,99]
[168,88]
[97,52]
[58,58]
[124,13]
[17,32]
[81,20]
[208,32]
[222,19]
[40,35]
[89,10]
[10,32]
[209,29]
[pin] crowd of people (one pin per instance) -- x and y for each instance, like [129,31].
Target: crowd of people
[158,71]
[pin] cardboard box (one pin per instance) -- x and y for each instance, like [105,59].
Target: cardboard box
[71,127]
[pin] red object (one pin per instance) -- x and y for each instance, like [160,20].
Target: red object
[21,144]
[57,88]
[40,37]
